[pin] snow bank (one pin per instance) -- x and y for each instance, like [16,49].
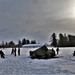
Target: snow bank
[24,65]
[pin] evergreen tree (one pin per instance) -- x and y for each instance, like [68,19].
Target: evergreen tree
[19,43]
[23,41]
[11,43]
[71,40]
[66,41]
[6,43]
[3,44]
[54,40]
[33,42]
[61,40]
[28,42]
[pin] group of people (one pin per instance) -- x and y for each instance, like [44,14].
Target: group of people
[14,51]
[57,50]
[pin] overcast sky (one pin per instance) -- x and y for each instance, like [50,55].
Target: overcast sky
[35,19]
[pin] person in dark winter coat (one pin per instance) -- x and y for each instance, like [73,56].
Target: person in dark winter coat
[12,52]
[19,51]
[74,53]
[57,50]
[2,54]
[15,52]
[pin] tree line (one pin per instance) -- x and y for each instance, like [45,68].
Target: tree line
[64,40]
[19,44]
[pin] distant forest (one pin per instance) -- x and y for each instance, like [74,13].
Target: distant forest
[64,40]
[19,44]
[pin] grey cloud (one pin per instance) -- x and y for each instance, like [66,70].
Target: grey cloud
[35,19]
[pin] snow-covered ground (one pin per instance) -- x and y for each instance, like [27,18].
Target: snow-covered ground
[64,64]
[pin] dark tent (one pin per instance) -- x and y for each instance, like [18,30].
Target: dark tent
[42,53]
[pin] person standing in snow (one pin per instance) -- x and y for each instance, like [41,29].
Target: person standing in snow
[15,52]
[19,51]
[74,53]
[57,50]
[12,51]
[2,54]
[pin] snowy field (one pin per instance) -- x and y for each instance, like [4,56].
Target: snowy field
[64,64]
